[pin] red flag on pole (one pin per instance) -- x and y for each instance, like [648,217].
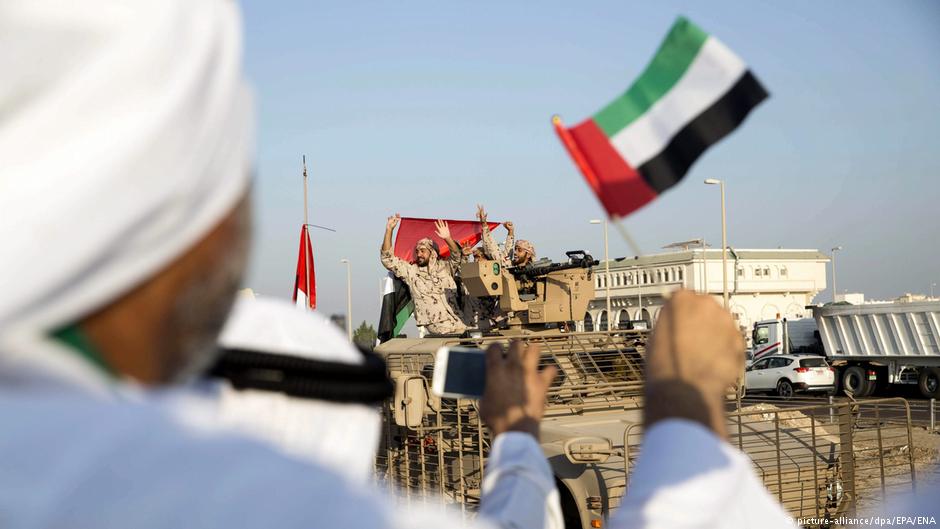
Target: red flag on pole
[411,230]
[305,282]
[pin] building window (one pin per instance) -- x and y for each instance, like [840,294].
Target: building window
[783,271]
[766,271]
[681,274]
[740,272]
[623,319]
[758,273]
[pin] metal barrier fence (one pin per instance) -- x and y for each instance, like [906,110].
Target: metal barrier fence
[823,459]
[818,459]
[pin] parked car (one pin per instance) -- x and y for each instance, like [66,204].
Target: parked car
[787,374]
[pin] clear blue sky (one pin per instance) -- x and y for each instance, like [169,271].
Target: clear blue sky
[427,108]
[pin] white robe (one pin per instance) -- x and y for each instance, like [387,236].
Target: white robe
[686,477]
[139,460]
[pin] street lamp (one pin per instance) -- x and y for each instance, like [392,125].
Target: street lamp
[348,298]
[724,240]
[833,253]
[606,269]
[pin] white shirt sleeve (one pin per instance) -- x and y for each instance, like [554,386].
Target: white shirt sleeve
[518,486]
[686,477]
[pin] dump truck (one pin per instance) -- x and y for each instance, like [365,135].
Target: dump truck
[434,449]
[871,346]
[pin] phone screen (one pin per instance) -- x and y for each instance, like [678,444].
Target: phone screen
[466,372]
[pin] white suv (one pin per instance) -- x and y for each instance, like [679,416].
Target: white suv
[787,374]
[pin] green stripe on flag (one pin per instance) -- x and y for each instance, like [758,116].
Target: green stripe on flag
[402,317]
[673,58]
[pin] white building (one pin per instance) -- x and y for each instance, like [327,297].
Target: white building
[762,284]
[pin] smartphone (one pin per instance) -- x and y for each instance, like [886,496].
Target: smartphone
[459,372]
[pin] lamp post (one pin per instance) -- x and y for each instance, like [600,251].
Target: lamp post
[833,253]
[932,285]
[348,298]
[724,240]
[606,269]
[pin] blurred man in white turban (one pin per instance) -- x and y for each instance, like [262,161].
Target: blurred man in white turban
[125,154]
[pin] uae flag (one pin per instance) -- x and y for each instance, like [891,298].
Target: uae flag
[693,93]
[397,305]
[305,281]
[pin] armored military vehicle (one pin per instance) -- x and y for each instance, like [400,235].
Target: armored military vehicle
[434,449]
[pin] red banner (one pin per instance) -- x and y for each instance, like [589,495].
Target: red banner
[411,230]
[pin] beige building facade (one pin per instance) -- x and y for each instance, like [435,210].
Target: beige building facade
[762,284]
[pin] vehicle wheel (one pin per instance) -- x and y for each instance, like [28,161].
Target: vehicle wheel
[785,389]
[929,382]
[569,508]
[854,382]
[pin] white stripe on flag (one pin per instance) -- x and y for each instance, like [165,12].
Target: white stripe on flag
[712,73]
[388,285]
[301,302]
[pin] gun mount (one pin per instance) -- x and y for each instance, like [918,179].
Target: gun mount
[536,294]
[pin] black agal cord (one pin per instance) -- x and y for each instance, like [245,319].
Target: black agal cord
[365,383]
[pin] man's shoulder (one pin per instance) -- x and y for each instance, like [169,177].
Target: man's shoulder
[93,461]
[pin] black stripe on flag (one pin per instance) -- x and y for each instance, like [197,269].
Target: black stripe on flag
[672,163]
[394,304]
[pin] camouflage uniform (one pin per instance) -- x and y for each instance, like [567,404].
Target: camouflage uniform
[492,251]
[433,290]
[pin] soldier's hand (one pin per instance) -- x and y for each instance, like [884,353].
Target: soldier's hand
[392,221]
[442,229]
[510,227]
[696,353]
[466,251]
[514,397]
[481,213]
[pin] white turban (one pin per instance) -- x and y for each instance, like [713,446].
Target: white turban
[341,436]
[125,137]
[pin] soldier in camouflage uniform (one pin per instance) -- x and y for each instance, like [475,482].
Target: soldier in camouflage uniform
[430,280]
[523,252]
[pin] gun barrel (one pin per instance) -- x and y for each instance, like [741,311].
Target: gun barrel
[539,271]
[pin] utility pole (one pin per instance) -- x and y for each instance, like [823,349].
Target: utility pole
[833,253]
[349,333]
[724,240]
[610,317]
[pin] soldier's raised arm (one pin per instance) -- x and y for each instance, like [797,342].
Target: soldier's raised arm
[510,237]
[389,259]
[443,231]
[490,248]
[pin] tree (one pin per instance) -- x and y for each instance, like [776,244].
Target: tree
[365,336]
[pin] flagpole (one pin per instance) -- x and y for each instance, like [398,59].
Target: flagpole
[307,235]
[626,236]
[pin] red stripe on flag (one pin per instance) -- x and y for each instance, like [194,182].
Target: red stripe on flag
[619,187]
[303,281]
[411,230]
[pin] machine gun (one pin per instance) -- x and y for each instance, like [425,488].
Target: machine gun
[537,294]
[576,259]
